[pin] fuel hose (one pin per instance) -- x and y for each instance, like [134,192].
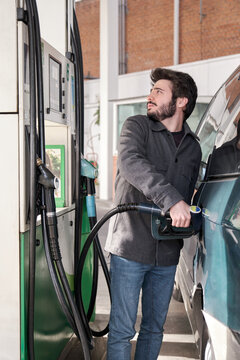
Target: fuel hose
[97,254]
[93,238]
[33,186]
[79,119]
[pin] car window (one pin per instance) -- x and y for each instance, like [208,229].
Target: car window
[219,130]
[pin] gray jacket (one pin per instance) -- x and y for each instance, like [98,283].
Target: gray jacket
[151,169]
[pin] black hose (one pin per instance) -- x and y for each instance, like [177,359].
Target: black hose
[119,209]
[79,150]
[41,130]
[93,221]
[90,189]
[86,338]
[55,278]
[33,182]
[92,300]
[93,237]
[79,105]
[81,77]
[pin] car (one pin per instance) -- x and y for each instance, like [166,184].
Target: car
[208,273]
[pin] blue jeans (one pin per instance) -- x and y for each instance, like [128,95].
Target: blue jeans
[127,279]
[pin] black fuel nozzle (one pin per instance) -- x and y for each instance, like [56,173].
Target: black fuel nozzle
[90,186]
[161,225]
[50,183]
[162,228]
[195,223]
[46,178]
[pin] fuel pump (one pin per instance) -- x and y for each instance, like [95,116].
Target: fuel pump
[49,182]
[41,105]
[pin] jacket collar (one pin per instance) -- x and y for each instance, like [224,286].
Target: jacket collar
[158,126]
[187,130]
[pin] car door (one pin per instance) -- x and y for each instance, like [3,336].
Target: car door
[216,265]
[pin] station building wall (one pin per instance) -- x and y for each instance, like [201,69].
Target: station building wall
[149,32]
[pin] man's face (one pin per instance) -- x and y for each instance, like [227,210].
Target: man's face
[160,104]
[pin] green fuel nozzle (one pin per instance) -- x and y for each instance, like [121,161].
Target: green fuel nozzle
[88,170]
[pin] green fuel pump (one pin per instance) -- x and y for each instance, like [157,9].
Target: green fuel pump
[48,183]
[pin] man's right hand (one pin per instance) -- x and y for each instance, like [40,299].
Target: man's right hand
[180,214]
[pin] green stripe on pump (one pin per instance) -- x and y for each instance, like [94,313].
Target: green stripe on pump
[22,297]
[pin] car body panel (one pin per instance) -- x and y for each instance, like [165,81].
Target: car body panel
[226,346]
[208,273]
[218,255]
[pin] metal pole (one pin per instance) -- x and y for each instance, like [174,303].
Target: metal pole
[176,33]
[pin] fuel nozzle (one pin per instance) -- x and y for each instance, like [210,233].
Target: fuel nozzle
[46,178]
[88,170]
[161,222]
[162,228]
[50,183]
[90,173]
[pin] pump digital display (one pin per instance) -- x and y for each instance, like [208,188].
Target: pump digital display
[55,85]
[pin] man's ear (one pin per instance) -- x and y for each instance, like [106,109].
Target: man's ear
[182,102]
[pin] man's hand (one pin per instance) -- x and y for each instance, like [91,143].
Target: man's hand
[180,214]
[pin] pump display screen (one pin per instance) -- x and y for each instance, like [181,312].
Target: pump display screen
[55,85]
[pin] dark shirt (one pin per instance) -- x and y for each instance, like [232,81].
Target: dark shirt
[178,135]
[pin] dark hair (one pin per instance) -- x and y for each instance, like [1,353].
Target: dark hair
[183,85]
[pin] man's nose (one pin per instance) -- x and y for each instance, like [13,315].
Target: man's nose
[150,97]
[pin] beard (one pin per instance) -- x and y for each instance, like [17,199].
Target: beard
[163,112]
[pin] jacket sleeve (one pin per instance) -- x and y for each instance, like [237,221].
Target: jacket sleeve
[136,168]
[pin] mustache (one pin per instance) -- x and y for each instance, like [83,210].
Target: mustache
[150,102]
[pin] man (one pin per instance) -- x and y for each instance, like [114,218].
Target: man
[158,163]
